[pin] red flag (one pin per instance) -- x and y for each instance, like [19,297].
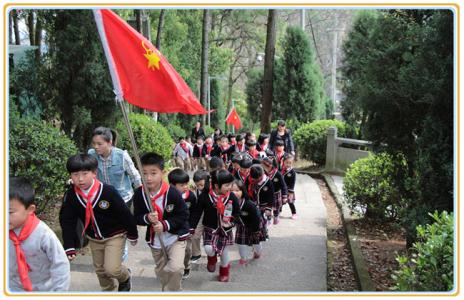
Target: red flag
[234,119]
[140,73]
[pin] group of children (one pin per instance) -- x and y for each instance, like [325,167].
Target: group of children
[242,189]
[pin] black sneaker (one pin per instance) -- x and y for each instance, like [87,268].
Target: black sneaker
[194,259]
[186,274]
[126,286]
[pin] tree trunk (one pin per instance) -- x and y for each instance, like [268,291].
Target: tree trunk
[138,20]
[266,112]
[204,59]
[230,85]
[160,29]
[30,27]
[10,30]
[14,15]
[38,35]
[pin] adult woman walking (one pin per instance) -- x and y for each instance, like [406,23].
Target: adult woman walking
[115,166]
[285,135]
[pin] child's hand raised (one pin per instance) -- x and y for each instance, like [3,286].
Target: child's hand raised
[158,227]
[71,257]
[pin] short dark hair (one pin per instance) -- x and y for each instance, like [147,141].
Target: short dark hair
[21,189]
[250,143]
[262,137]
[239,137]
[108,134]
[246,163]
[221,177]
[200,175]
[231,135]
[236,157]
[81,162]
[279,142]
[288,156]
[269,161]
[216,163]
[178,176]
[256,171]
[281,123]
[152,158]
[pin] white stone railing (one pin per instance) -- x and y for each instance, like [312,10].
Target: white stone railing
[337,158]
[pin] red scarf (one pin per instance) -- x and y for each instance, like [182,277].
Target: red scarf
[164,188]
[185,148]
[218,199]
[254,153]
[252,183]
[23,268]
[263,147]
[284,169]
[89,198]
[186,195]
[244,174]
[280,155]
[209,147]
[272,173]
[241,147]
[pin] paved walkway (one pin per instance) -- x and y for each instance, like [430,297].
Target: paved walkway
[293,260]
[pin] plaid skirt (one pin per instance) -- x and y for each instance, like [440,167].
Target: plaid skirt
[218,240]
[244,236]
[278,203]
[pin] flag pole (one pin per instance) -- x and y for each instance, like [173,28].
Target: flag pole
[120,100]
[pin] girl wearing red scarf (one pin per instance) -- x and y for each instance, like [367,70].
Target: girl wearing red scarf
[37,261]
[221,211]
[279,153]
[280,188]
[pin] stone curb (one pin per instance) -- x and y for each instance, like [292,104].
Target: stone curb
[360,266]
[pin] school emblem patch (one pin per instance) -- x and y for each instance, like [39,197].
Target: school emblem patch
[276,179]
[188,204]
[289,175]
[265,188]
[244,213]
[170,208]
[103,204]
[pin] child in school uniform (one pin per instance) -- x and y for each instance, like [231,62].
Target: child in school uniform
[107,222]
[234,167]
[251,145]
[201,180]
[166,216]
[247,232]
[221,210]
[279,153]
[37,261]
[289,175]
[245,164]
[198,154]
[280,188]
[261,191]
[179,179]
[182,154]
[239,144]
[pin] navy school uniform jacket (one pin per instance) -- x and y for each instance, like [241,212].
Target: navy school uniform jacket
[111,217]
[238,176]
[263,195]
[216,151]
[279,183]
[290,179]
[199,151]
[175,213]
[191,201]
[207,206]
[250,216]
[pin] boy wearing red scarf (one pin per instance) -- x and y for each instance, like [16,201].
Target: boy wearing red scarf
[279,153]
[37,261]
[221,210]
[167,225]
[182,155]
[107,222]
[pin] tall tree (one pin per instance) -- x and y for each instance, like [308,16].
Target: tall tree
[302,85]
[160,29]
[266,114]
[30,26]
[204,59]
[10,29]
[15,17]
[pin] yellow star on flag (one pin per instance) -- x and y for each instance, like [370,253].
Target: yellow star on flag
[152,57]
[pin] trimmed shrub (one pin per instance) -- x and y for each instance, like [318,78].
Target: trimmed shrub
[369,186]
[430,266]
[38,151]
[311,139]
[176,132]
[150,136]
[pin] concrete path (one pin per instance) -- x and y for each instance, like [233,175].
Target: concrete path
[293,260]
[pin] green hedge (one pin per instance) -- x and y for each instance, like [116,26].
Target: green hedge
[176,132]
[39,152]
[369,184]
[430,266]
[150,136]
[311,139]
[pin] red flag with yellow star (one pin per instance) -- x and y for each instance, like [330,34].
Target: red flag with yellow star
[141,74]
[234,119]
